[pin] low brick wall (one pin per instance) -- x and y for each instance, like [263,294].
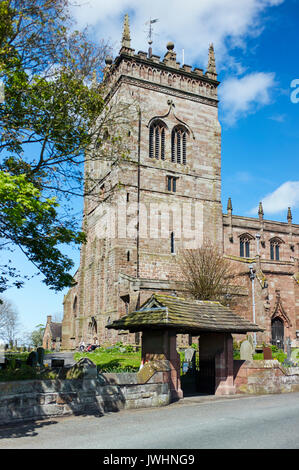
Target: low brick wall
[36,399]
[263,377]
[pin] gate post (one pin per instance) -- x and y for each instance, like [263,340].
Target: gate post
[224,368]
[219,346]
[157,344]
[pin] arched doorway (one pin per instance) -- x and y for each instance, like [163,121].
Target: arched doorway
[277,332]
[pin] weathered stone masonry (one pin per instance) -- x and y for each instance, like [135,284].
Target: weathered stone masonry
[37,399]
[176,107]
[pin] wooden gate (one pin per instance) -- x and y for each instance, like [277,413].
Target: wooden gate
[206,376]
[277,330]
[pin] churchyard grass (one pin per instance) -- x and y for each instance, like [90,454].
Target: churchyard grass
[118,359]
[279,355]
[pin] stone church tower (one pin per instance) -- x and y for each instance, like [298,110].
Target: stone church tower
[163,194]
[166,195]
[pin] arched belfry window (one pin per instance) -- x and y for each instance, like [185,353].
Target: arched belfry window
[157,140]
[179,137]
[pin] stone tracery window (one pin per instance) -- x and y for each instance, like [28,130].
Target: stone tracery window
[275,248]
[245,245]
[157,140]
[179,144]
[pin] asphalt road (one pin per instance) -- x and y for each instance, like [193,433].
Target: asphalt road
[261,422]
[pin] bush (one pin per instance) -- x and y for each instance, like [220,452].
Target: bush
[236,350]
[280,355]
[258,357]
[23,373]
[236,354]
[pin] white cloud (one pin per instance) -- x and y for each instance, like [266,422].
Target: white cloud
[278,117]
[243,177]
[191,24]
[242,96]
[287,195]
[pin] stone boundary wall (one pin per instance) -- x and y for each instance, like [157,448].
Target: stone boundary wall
[35,399]
[263,377]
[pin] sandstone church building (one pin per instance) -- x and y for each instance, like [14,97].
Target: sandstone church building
[174,165]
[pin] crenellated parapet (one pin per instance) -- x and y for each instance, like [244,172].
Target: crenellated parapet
[150,71]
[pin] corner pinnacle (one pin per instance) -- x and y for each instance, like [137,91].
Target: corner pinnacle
[261,210]
[126,38]
[211,69]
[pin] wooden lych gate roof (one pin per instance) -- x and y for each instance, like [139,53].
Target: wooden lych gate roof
[185,316]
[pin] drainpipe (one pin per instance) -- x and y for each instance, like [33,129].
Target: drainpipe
[252,276]
[138,194]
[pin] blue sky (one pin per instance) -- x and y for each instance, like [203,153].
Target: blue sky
[256,46]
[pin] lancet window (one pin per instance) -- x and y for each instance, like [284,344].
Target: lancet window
[157,140]
[179,145]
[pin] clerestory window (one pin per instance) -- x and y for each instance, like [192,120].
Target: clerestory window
[245,246]
[275,249]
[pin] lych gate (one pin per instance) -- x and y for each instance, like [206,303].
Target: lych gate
[162,317]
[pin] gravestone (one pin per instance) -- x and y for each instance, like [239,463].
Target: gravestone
[189,353]
[267,353]
[246,351]
[250,339]
[57,363]
[288,361]
[190,357]
[40,356]
[32,359]
[88,367]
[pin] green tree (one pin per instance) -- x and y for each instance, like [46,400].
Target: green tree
[9,322]
[33,226]
[49,124]
[37,335]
